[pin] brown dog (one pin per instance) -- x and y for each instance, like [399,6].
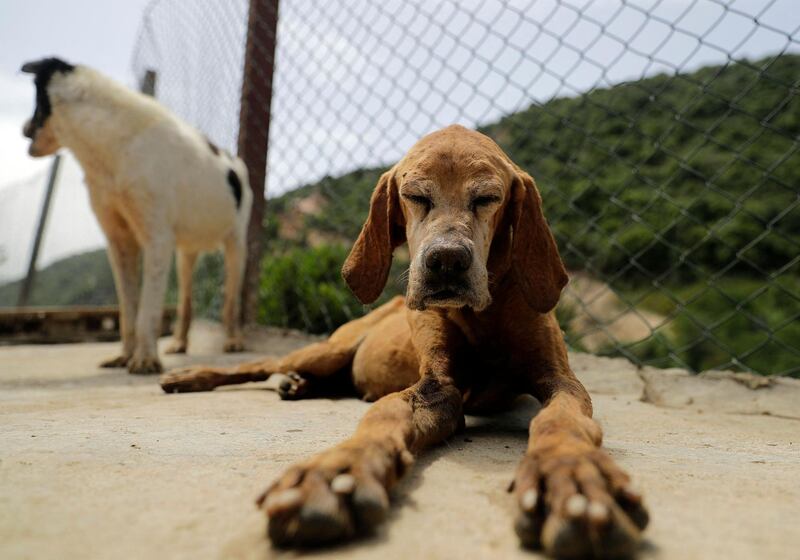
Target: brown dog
[477,330]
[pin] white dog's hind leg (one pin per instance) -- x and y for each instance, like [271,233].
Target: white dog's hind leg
[180,341]
[124,255]
[235,253]
[157,256]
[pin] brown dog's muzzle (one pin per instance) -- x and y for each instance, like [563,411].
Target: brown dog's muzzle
[446,264]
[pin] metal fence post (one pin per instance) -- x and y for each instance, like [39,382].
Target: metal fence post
[27,284]
[148,83]
[254,118]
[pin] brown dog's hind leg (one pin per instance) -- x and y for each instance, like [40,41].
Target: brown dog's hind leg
[321,359]
[207,378]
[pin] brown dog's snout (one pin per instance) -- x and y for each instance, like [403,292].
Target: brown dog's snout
[447,260]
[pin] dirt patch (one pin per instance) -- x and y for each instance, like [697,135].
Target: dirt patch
[603,320]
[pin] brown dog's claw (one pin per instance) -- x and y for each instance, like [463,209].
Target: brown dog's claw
[578,506]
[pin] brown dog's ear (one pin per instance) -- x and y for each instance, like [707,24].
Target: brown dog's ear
[535,262]
[367,266]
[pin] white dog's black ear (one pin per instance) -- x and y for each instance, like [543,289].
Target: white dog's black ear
[31,67]
[47,65]
[367,266]
[34,66]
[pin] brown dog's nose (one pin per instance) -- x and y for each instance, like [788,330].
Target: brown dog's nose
[448,259]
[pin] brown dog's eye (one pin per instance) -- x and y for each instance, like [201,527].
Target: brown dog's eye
[421,200]
[483,201]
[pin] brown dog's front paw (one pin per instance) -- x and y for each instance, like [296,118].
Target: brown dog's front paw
[118,362]
[578,505]
[144,366]
[335,496]
[189,380]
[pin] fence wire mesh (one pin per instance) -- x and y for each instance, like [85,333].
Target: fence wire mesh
[663,136]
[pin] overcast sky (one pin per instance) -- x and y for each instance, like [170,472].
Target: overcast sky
[358,81]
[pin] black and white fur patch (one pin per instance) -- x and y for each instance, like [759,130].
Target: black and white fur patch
[44,70]
[236,186]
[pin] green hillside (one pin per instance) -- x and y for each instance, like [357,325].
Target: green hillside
[83,279]
[86,279]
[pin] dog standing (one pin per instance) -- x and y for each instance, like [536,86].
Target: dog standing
[476,330]
[154,183]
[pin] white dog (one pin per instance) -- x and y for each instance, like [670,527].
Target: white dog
[154,183]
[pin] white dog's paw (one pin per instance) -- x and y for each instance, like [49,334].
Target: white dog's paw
[118,362]
[234,345]
[177,347]
[144,365]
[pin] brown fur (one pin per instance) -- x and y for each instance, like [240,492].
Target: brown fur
[430,360]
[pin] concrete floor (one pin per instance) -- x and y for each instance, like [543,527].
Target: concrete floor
[100,464]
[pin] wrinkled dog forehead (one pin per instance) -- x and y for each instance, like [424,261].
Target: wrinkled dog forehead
[43,70]
[455,157]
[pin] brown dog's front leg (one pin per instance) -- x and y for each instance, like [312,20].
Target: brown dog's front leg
[575,501]
[344,491]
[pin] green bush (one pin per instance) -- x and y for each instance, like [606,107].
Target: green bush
[303,289]
[750,319]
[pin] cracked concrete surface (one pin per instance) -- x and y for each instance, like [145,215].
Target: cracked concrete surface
[100,464]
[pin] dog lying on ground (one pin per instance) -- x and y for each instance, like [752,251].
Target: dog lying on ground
[475,330]
[154,183]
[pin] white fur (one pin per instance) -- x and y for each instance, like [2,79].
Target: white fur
[154,183]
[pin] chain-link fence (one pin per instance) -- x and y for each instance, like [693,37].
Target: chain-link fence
[663,136]
[73,246]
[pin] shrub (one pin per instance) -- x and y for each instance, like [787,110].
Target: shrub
[302,288]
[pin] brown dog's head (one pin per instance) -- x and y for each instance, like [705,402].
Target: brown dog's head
[470,217]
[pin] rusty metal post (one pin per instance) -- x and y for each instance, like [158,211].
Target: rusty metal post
[27,284]
[254,117]
[147,85]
